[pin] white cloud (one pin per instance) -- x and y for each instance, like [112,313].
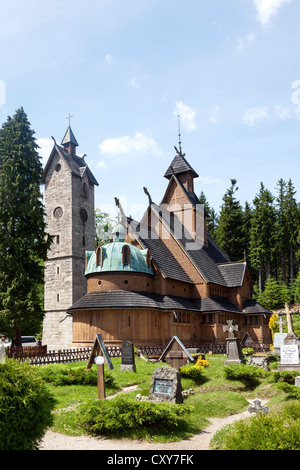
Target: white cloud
[213,114]
[268,8]
[134,83]
[187,115]
[281,113]
[207,180]
[109,58]
[101,164]
[255,116]
[46,146]
[243,42]
[140,143]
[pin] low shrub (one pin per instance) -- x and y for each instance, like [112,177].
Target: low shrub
[25,406]
[291,390]
[276,431]
[121,416]
[193,372]
[286,376]
[61,376]
[247,351]
[202,362]
[249,375]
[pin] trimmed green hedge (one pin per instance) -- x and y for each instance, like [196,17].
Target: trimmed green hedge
[25,406]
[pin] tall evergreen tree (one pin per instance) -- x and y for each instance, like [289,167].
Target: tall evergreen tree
[23,239]
[211,215]
[281,234]
[291,225]
[262,234]
[230,232]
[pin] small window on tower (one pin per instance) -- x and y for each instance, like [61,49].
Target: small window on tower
[84,189]
[99,256]
[125,255]
[57,239]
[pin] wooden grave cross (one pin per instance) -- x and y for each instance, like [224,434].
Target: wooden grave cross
[99,355]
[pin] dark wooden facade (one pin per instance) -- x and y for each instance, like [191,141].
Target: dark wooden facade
[193,290]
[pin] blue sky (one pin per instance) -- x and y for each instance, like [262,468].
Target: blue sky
[126,69]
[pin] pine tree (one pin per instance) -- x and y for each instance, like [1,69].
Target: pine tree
[275,294]
[281,251]
[230,232]
[23,240]
[211,215]
[262,234]
[291,225]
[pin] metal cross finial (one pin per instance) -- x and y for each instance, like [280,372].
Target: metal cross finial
[69,117]
[179,135]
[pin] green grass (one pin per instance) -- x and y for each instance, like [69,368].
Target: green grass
[216,397]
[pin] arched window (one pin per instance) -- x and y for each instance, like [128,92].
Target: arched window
[84,189]
[148,259]
[99,256]
[125,255]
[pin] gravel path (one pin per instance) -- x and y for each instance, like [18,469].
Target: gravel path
[200,441]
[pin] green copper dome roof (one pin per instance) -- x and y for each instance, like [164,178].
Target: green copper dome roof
[113,258]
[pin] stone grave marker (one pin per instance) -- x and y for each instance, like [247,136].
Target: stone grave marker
[176,355]
[2,353]
[166,386]
[259,361]
[297,381]
[289,351]
[278,342]
[257,407]
[128,359]
[234,353]
[289,354]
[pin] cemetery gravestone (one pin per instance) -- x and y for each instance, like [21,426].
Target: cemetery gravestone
[166,386]
[289,351]
[279,337]
[2,353]
[259,361]
[128,359]
[278,342]
[234,353]
[176,355]
[257,407]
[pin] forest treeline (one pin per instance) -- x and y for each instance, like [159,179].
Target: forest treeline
[265,232]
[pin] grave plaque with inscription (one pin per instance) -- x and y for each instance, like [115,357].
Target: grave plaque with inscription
[289,354]
[128,360]
[163,386]
[166,386]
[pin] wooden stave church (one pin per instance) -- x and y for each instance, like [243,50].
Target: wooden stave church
[189,287]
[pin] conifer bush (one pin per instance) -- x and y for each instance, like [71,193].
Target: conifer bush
[61,376]
[25,406]
[122,416]
[249,375]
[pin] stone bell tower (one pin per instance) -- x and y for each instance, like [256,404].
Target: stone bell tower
[69,207]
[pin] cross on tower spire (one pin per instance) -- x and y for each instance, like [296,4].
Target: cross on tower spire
[69,117]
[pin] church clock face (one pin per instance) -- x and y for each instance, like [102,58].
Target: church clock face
[83,215]
[58,212]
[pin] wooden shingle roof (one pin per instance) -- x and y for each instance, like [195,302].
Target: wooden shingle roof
[114,299]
